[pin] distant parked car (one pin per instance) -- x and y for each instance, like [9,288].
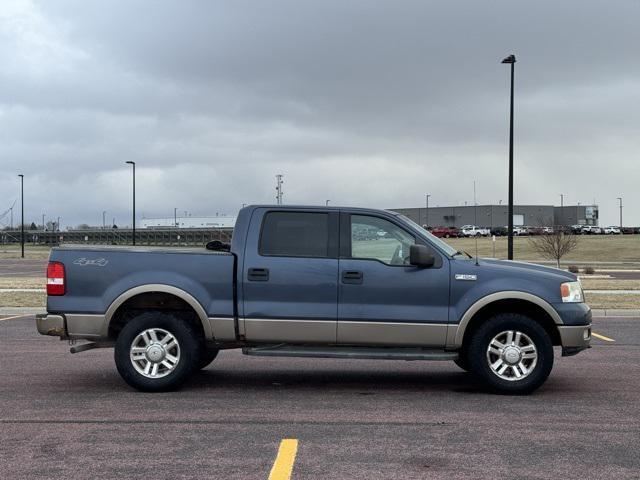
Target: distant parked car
[576,229]
[473,231]
[499,231]
[520,231]
[535,230]
[612,230]
[547,230]
[627,230]
[591,230]
[446,232]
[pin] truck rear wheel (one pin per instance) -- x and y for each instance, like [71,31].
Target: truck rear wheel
[511,353]
[207,355]
[156,352]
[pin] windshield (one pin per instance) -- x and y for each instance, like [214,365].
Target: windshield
[445,247]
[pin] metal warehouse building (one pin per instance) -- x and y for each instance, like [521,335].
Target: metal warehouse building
[497,215]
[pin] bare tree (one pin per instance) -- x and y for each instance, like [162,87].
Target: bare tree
[556,244]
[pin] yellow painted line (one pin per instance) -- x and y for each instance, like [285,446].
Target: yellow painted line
[283,465]
[14,317]
[602,337]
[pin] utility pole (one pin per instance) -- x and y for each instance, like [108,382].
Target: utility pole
[22,214]
[104,221]
[58,224]
[44,226]
[620,198]
[11,228]
[175,216]
[133,164]
[562,209]
[427,211]
[511,59]
[279,191]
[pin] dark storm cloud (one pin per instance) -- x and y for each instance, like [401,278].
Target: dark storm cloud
[370,103]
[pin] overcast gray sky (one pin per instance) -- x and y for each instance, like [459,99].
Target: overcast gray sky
[363,103]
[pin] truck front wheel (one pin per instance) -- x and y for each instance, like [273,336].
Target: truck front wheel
[157,352]
[511,353]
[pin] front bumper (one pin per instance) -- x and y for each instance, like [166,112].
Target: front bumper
[53,325]
[574,339]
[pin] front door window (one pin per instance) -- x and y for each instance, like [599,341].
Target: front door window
[378,239]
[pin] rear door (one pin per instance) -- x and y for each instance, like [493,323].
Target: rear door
[382,299]
[290,272]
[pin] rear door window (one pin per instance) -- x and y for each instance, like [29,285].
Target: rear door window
[295,234]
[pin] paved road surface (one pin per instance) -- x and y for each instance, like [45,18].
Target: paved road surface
[70,416]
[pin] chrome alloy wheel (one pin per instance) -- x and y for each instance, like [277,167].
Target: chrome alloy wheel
[155,353]
[512,355]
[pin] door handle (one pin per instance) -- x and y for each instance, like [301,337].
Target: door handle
[258,275]
[352,276]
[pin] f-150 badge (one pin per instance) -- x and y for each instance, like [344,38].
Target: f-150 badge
[95,262]
[461,276]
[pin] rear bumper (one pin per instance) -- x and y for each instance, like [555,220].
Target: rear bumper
[53,325]
[72,325]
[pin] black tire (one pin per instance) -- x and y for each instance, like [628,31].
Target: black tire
[207,355]
[187,338]
[480,364]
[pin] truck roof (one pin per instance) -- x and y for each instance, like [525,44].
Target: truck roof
[323,208]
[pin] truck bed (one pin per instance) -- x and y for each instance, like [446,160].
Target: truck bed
[97,275]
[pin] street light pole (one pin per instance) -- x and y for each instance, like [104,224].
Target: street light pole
[133,164]
[326,203]
[620,198]
[44,227]
[104,221]
[511,59]
[427,211]
[562,209]
[22,214]
[175,216]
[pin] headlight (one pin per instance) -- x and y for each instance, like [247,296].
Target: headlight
[571,292]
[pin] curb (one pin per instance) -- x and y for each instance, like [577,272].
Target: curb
[615,312]
[22,310]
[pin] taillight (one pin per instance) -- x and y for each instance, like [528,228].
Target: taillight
[55,279]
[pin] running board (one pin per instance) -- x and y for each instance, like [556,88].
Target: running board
[372,353]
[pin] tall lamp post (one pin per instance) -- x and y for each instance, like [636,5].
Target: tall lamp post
[562,209]
[22,214]
[511,59]
[427,211]
[620,198]
[133,164]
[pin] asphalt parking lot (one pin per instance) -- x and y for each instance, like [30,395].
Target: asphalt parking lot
[70,416]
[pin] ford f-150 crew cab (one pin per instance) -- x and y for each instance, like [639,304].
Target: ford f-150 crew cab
[315,282]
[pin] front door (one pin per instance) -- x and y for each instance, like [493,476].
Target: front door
[290,289]
[382,299]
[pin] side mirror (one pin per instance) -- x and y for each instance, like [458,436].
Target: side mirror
[421,256]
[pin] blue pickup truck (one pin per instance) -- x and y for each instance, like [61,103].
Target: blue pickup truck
[324,282]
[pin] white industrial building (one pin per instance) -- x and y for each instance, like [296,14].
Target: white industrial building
[189,222]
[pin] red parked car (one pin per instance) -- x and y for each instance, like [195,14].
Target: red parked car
[445,232]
